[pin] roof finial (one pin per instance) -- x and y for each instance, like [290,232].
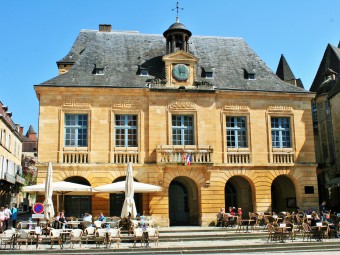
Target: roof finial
[177,10]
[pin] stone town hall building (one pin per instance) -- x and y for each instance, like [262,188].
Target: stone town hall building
[157,100]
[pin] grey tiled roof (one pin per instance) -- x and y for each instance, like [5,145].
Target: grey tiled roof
[330,60]
[123,53]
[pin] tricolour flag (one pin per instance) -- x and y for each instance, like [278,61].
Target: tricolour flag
[188,159]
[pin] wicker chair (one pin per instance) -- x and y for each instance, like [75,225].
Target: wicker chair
[76,237]
[89,233]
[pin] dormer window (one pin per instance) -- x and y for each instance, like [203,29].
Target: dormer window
[329,74]
[207,73]
[144,72]
[249,75]
[98,69]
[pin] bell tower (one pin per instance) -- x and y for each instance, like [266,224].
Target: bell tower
[177,36]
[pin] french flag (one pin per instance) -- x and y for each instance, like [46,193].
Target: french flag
[188,159]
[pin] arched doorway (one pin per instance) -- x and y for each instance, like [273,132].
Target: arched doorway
[117,200]
[183,202]
[77,205]
[238,193]
[283,194]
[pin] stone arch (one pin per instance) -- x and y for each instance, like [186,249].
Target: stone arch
[284,193]
[76,204]
[240,192]
[183,202]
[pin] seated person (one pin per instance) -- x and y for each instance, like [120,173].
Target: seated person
[102,217]
[314,219]
[331,225]
[220,217]
[62,218]
[87,217]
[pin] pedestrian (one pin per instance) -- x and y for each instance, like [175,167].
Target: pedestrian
[2,218]
[8,215]
[14,215]
[322,209]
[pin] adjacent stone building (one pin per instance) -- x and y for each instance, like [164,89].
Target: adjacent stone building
[201,116]
[11,176]
[326,119]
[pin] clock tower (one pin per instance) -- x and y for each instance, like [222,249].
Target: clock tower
[180,65]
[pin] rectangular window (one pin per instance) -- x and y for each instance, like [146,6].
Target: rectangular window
[281,137]
[236,132]
[126,131]
[182,130]
[76,130]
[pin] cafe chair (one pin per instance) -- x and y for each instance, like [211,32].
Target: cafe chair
[114,236]
[76,237]
[89,234]
[8,237]
[55,237]
[24,237]
[153,235]
[138,236]
[100,236]
[306,232]
[98,224]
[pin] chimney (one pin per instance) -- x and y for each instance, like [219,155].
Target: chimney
[21,131]
[104,28]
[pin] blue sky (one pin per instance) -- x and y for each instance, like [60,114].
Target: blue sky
[37,33]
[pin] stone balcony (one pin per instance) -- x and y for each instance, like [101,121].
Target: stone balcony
[123,155]
[75,155]
[176,154]
[238,156]
[282,156]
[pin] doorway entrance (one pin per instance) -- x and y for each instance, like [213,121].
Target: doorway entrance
[183,202]
[283,195]
[238,193]
[77,205]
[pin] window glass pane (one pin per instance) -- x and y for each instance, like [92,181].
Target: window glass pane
[281,136]
[182,130]
[126,131]
[76,130]
[236,132]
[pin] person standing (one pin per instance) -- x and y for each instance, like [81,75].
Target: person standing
[8,215]
[14,215]
[2,218]
[322,210]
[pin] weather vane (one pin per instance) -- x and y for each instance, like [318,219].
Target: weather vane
[177,9]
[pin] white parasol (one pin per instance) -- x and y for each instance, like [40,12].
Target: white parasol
[48,203]
[119,187]
[129,206]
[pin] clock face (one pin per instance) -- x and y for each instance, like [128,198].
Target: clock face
[180,72]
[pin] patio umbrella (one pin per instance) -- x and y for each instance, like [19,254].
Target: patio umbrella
[119,187]
[48,203]
[60,188]
[129,206]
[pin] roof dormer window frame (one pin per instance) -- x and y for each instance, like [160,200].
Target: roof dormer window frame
[144,72]
[207,73]
[249,75]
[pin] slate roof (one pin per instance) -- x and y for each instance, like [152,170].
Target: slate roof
[283,70]
[123,53]
[330,60]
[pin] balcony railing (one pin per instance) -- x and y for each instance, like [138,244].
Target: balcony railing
[238,157]
[199,154]
[75,156]
[282,157]
[123,155]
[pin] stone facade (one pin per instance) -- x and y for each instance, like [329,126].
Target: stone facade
[256,177]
